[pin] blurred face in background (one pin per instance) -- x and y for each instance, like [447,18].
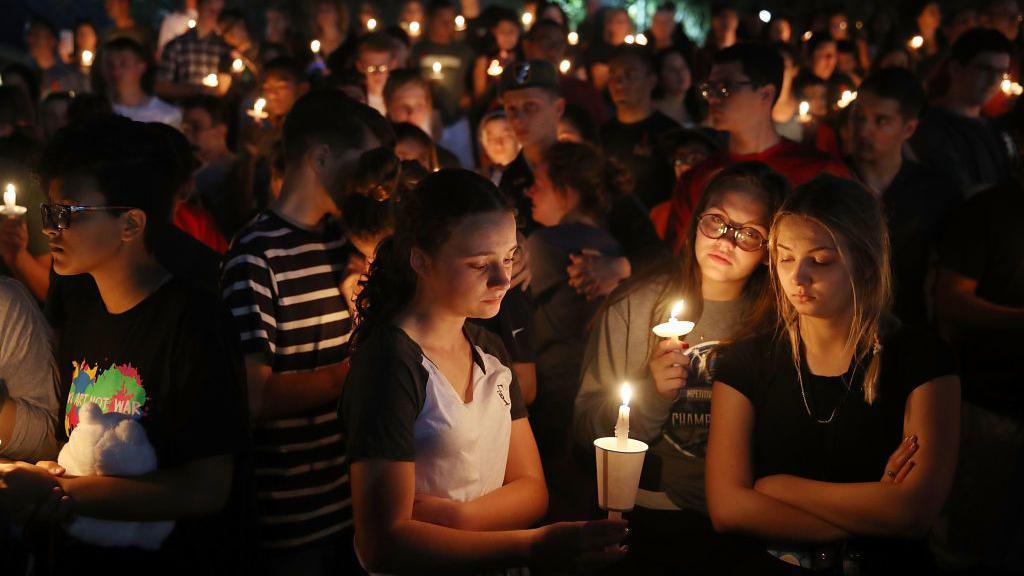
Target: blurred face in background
[616,26]
[375,67]
[930,18]
[824,59]
[780,30]
[411,103]
[41,41]
[278,26]
[281,92]
[327,17]
[839,27]
[416,150]
[441,27]
[744,102]
[123,69]
[662,25]
[85,38]
[206,138]
[1003,16]
[979,81]
[675,75]
[877,128]
[506,34]
[412,11]
[533,114]
[724,24]
[630,83]
[499,141]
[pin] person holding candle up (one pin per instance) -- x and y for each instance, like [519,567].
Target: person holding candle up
[723,283]
[445,472]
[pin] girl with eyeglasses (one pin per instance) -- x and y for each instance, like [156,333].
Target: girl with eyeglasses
[835,436]
[722,276]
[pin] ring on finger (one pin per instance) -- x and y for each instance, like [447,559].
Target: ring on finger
[890,474]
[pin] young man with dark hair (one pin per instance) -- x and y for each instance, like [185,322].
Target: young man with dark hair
[916,199]
[128,72]
[281,280]
[954,138]
[446,62]
[205,125]
[741,92]
[188,61]
[631,137]
[374,60]
[147,344]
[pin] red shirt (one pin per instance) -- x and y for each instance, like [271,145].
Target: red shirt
[798,163]
[198,223]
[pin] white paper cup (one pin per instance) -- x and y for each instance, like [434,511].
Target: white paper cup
[618,473]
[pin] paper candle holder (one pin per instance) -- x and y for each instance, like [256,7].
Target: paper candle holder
[618,473]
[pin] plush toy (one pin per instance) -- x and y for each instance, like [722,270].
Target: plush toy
[111,444]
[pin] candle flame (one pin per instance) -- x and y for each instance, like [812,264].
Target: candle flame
[564,66]
[495,68]
[414,27]
[10,199]
[237,65]
[805,108]
[527,19]
[573,38]
[211,80]
[916,42]
[641,40]
[460,23]
[87,57]
[371,24]
[626,393]
[315,46]
[436,67]
[259,105]
[677,309]
[630,39]
[191,23]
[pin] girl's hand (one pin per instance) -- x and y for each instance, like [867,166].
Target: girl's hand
[51,467]
[900,463]
[669,367]
[577,546]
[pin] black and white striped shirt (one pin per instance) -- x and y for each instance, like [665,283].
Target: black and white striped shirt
[281,284]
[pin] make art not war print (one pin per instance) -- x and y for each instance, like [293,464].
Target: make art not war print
[115,389]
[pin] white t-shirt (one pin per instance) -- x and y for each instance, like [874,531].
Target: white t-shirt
[154,110]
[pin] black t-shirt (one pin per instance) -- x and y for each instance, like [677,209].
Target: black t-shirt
[515,181]
[385,395]
[970,152]
[631,226]
[636,147]
[173,363]
[983,244]
[856,444]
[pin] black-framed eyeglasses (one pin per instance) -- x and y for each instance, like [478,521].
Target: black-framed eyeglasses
[58,216]
[746,238]
[721,90]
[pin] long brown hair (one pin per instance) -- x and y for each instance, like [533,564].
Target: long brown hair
[853,217]
[681,277]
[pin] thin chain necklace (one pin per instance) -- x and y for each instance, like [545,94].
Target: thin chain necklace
[807,406]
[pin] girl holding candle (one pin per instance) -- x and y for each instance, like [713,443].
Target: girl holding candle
[445,472]
[723,279]
[501,42]
[837,434]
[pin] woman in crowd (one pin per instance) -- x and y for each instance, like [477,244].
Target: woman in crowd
[835,437]
[445,472]
[500,45]
[724,282]
[674,96]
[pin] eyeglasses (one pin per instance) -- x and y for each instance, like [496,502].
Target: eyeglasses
[374,70]
[58,216]
[721,90]
[714,226]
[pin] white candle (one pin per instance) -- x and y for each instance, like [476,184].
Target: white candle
[10,206]
[622,423]
[674,328]
[257,112]
[460,23]
[805,112]
[436,68]
[211,81]
[846,98]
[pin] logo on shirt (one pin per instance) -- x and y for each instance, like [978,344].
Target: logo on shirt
[501,394]
[115,389]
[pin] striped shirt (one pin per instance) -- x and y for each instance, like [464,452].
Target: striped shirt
[281,284]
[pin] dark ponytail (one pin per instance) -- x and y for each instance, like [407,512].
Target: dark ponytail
[424,218]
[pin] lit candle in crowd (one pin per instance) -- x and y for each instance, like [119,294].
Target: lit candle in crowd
[622,422]
[495,68]
[1009,87]
[414,27]
[674,327]
[846,98]
[257,112]
[460,23]
[436,68]
[315,47]
[87,57]
[805,112]
[916,42]
[10,207]
[211,81]
[765,16]
[191,23]
[565,66]
[371,24]
[527,19]
[641,40]
[573,38]
[808,35]
[237,66]
[630,39]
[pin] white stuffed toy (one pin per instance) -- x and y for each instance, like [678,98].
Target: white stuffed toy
[111,444]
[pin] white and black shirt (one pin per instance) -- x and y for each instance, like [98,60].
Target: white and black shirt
[282,283]
[397,405]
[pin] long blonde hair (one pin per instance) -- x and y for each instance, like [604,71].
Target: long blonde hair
[853,217]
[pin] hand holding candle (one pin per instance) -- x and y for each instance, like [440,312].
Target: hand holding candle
[257,112]
[10,207]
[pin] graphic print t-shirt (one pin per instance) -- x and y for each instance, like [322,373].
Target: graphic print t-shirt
[170,363]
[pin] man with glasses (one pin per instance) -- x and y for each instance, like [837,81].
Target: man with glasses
[281,279]
[631,137]
[147,344]
[954,139]
[741,91]
[205,125]
[374,61]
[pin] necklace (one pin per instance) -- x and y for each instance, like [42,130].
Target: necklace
[807,406]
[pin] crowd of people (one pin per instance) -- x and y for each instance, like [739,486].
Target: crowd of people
[355,292]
